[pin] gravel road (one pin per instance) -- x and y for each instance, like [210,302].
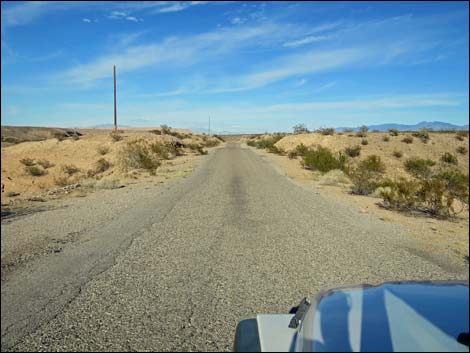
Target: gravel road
[180,268]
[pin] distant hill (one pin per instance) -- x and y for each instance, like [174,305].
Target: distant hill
[434,125]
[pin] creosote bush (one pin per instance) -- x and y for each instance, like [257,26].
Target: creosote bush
[326,131]
[367,176]
[353,151]
[102,150]
[300,129]
[386,139]
[419,167]
[115,136]
[407,139]
[462,150]
[138,154]
[364,142]
[397,154]
[449,158]
[102,165]
[35,170]
[69,169]
[323,160]
[394,132]
[422,134]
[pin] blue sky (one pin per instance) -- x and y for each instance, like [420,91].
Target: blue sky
[251,66]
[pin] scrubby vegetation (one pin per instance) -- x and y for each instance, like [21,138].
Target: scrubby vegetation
[102,165]
[362,131]
[462,150]
[461,135]
[386,139]
[449,158]
[326,131]
[300,129]
[45,163]
[407,139]
[397,154]
[138,154]
[27,162]
[367,176]
[323,160]
[116,137]
[35,170]
[394,132]
[70,169]
[353,151]
[102,150]
[419,167]
[422,134]
[364,142]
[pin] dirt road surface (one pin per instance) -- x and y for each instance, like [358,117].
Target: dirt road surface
[179,268]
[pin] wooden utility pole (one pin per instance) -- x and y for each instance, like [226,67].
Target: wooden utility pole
[115,111]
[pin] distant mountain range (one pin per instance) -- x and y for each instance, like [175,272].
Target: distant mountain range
[434,125]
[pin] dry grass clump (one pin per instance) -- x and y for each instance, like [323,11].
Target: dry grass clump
[116,137]
[397,154]
[394,132]
[69,169]
[299,150]
[45,163]
[61,180]
[102,150]
[462,150]
[364,142]
[326,131]
[27,162]
[362,131]
[386,139]
[102,165]
[461,135]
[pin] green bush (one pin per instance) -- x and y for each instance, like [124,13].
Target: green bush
[301,149]
[35,170]
[422,134]
[364,142]
[353,151]
[462,150]
[407,139]
[386,139]
[321,159]
[276,150]
[449,158]
[251,143]
[419,167]
[292,154]
[394,132]
[138,154]
[161,150]
[362,131]
[457,184]
[367,176]
[165,129]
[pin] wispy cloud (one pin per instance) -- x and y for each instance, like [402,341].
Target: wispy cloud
[306,40]
[87,20]
[178,6]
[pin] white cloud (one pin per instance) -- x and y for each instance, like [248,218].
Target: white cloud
[134,19]
[87,20]
[237,20]
[306,40]
[179,6]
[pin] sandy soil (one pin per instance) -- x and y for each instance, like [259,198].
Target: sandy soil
[82,153]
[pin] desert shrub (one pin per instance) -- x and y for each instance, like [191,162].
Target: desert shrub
[449,158]
[61,180]
[35,170]
[322,159]
[212,143]
[11,139]
[394,132]
[301,149]
[12,194]
[397,154]
[138,154]
[364,142]
[348,130]
[251,143]
[102,150]
[165,129]
[326,131]
[292,154]
[300,129]
[156,132]
[61,136]
[70,169]
[386,139]
[108,184]
[462,150]
[367,176]
[362,131]
[422,134]
[407,139]
[160,149]
[457,184]
[276,150]
[353,151]
[102,165]
[45,163]
[461,134]
[268,142]
[197,148]
[27,161]
[419,167]
[115,137]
